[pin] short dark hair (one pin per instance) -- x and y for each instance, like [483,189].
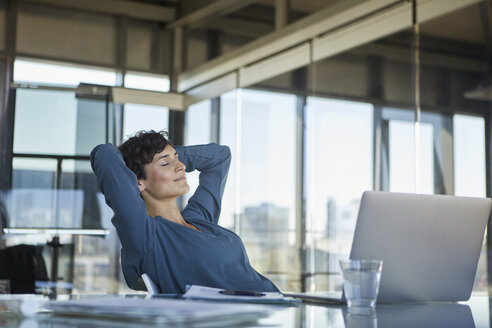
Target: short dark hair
[141,148]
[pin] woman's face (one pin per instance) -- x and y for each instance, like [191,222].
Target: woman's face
[165,176]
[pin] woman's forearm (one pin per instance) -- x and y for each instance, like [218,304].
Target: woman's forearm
[213,162]
[204,157]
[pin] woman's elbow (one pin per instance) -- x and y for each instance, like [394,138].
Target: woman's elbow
[226,152]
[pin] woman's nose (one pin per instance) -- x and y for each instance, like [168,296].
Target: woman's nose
[180,166]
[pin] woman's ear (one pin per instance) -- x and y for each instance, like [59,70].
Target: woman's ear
[141,185]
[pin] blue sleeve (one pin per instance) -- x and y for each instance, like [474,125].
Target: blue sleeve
[213,162]
[119,186]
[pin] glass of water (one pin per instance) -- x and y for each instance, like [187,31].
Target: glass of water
[361,284]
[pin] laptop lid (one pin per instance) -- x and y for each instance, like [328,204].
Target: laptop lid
[430,244]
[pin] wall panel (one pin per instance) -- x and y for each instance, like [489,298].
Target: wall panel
[337,76]
[163,59]
[66,35]
[139,46]
[196,49]
[397,77]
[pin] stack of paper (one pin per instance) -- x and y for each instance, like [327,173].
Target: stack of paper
[216,294]
[176,312]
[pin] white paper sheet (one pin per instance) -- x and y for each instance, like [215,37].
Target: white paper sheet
[160,310]
[209,293]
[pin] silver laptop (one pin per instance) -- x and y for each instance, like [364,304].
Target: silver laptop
[430,245]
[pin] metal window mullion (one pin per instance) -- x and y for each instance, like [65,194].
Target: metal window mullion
[385,155]
[377,149]
[301,190]
[215,120]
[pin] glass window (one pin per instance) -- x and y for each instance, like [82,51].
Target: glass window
[31,201]
[229,136]
[60,74]
[147,81]
[339,164]
[144,117]
[469,155]
[197,131]
[56,122]
[36,113]
[267,184]
[57,191]
[94,125]
[139,117]
[469,173]
[402,170]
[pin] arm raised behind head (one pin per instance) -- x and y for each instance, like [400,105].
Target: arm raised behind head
[119,186]
[213,162]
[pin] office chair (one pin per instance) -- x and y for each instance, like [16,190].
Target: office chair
[152,288]
[23,265]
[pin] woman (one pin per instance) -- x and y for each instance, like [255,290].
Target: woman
[141,181]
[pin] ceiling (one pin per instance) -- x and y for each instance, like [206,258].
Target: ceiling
[255,18]
[258,16]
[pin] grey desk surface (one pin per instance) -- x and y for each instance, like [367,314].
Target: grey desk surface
[474,313]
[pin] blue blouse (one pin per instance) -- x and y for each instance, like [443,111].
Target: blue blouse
[171,254]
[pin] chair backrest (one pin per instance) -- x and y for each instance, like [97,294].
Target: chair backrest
[152,288]
[22,265]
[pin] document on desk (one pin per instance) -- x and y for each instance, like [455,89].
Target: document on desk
[162,311]
[217,294]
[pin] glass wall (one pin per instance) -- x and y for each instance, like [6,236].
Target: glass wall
[137,117]
[51,129]
[267,184]
[145,81]
[52,184]
[403,145]
[469,173]
[339,157]
[230,135]
[359,133]
[259,199]
[36,113]
[50,73]
[469,155]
